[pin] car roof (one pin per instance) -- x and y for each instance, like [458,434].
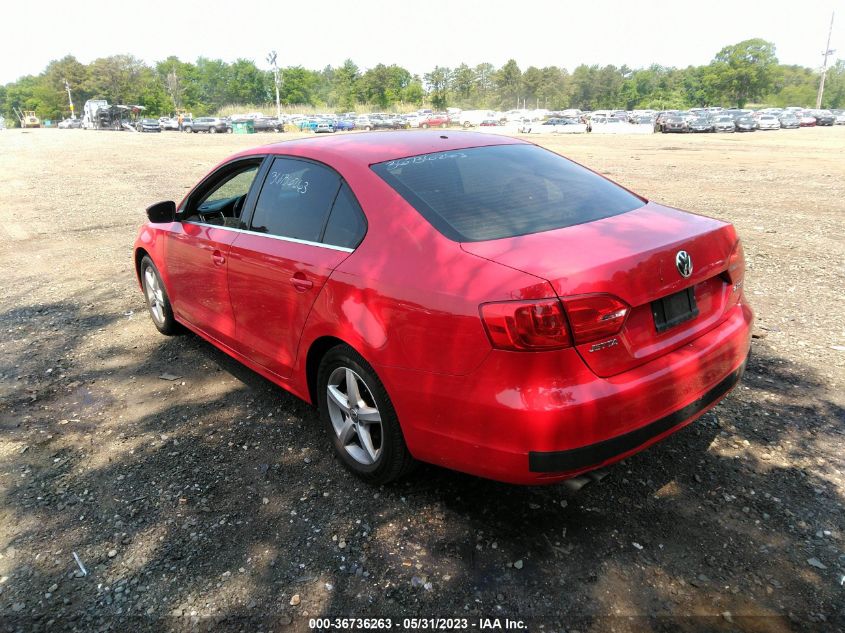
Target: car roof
[368,148]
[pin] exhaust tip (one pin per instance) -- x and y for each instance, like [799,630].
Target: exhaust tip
[576,483]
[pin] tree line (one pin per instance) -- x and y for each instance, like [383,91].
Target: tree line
[742,73]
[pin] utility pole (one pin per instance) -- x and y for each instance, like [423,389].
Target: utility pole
[827,51]
[271,59]
[69,99]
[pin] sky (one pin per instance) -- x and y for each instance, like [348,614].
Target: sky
[416,35]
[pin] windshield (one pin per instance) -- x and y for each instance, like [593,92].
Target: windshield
[488,193]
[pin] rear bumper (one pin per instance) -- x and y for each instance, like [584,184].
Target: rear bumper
[545,417]
[593,455]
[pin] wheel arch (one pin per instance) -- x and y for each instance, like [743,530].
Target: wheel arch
[140,253]
[316,351]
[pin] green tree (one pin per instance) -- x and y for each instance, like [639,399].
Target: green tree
[463,83]
[437,82]
[383,85]
[744,71]
[584,81]
[212,75]
[532,83]
[508,82]
[834,91]
[246,83]
[115,78]
[298,85]
[414,92]
[346,85]
[484,84]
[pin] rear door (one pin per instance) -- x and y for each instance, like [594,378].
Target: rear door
[279,265]
[197,250]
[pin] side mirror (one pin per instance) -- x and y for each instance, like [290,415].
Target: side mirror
[162,212]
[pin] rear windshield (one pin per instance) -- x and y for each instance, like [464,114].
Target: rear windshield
[489,193]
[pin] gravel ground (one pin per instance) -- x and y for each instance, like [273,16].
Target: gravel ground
[213,502]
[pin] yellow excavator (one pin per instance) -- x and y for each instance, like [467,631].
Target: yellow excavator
[28,118]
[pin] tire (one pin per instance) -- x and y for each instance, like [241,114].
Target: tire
[442,125]
[158,302]
[424,126]
[212,130]
[188,130]
[387,457]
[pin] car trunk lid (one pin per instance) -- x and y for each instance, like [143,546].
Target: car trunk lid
[632,256]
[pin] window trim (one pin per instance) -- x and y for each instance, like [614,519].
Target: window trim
[271,158]
[213,179]
[274,237]
[255,190]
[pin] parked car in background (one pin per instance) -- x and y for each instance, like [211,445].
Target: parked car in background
[212,125]
[746,124]
[470,118]
[768,122]
[490,123]
[575,324]
[267,124]
[435,120]
[823,117]
[324,127]
[839,117]
[805,119]
[369,123]
[789,121]
[552,126]
[70,124]
[675,123]
[307,124]
[700,124]
[724,123]
[344,124]
[661,118]
[607,125]
[148,125]
[396,121]
[168,123]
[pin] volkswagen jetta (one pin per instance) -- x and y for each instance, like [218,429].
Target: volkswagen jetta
[464,299]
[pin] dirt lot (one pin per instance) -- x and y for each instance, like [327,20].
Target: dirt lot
[213,502]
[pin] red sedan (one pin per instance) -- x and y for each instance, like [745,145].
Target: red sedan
[435,120]
[468,300]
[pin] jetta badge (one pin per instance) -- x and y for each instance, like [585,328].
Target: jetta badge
[683,262]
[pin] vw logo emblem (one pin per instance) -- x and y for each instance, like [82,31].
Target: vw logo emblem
[683,262]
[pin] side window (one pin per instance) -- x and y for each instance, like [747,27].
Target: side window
[223,202]
[347,225]
[295,199]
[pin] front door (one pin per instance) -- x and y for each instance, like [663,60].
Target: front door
[198,250]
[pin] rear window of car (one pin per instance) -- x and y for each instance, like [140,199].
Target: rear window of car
[489,193]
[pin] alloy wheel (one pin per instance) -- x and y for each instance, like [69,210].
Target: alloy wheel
[155,295]
[354,415]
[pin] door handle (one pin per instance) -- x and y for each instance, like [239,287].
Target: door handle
[217,258]
[301,283]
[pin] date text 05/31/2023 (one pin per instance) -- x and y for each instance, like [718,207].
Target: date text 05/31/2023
[417,624]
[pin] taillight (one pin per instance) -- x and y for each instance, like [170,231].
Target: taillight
[593,317]
[526,325]
[736,265]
